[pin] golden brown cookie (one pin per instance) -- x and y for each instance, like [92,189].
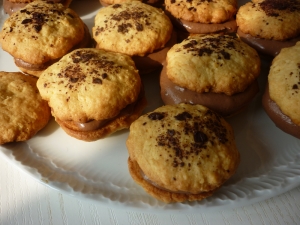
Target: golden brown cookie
[132,28]
[11,6]
[41,33]
[269,25]
[270,19]
[282,96]
[22,110]
[230,65]
[93,93]
[218,71]
[202,11]
[186,152]
[202,17]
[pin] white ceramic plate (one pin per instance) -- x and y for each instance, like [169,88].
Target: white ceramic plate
[98,170]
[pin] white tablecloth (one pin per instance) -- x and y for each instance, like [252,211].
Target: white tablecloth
[23,200]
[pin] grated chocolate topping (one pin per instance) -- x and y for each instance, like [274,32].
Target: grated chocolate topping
[205,130]
[73,75]
[156,116]
[211,45]
[38,15]
[133,19]
[296,86]
[273,7]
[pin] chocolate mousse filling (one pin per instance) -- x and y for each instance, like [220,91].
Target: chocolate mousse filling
[98,124]
[86,42]
[281,120]
[93,125]
[223,104]
[265,46]
[11,7]
[154,60]
[203,28]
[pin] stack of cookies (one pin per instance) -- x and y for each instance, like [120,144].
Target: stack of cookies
[208,70]
[202,17]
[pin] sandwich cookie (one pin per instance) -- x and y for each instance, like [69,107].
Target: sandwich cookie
[269,25]
[93,93]
[281,99]
[218,71]
[136,29]
[186,152]
[41,33]
[22,110]
[203,17]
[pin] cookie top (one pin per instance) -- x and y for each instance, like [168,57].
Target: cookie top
[133,28]
[270,19]
[284,82]
[22,111]
[213,63]
[41,31]
[202,11]
[89,84]
[184,148]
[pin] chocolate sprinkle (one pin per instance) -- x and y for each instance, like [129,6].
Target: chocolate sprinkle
[210,45]
[273,7]
[183,116]
[156,116]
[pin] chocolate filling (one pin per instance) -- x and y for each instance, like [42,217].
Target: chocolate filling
[11,7]
[155,59]
[223,104]
[92,125]
[281,120]
[86,42]
[203,28]
[98,124]
[265,46]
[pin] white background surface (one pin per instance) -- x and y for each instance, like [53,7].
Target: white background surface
[23,200]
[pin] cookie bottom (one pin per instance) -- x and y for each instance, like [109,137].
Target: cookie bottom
[159,193]
[119,123]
